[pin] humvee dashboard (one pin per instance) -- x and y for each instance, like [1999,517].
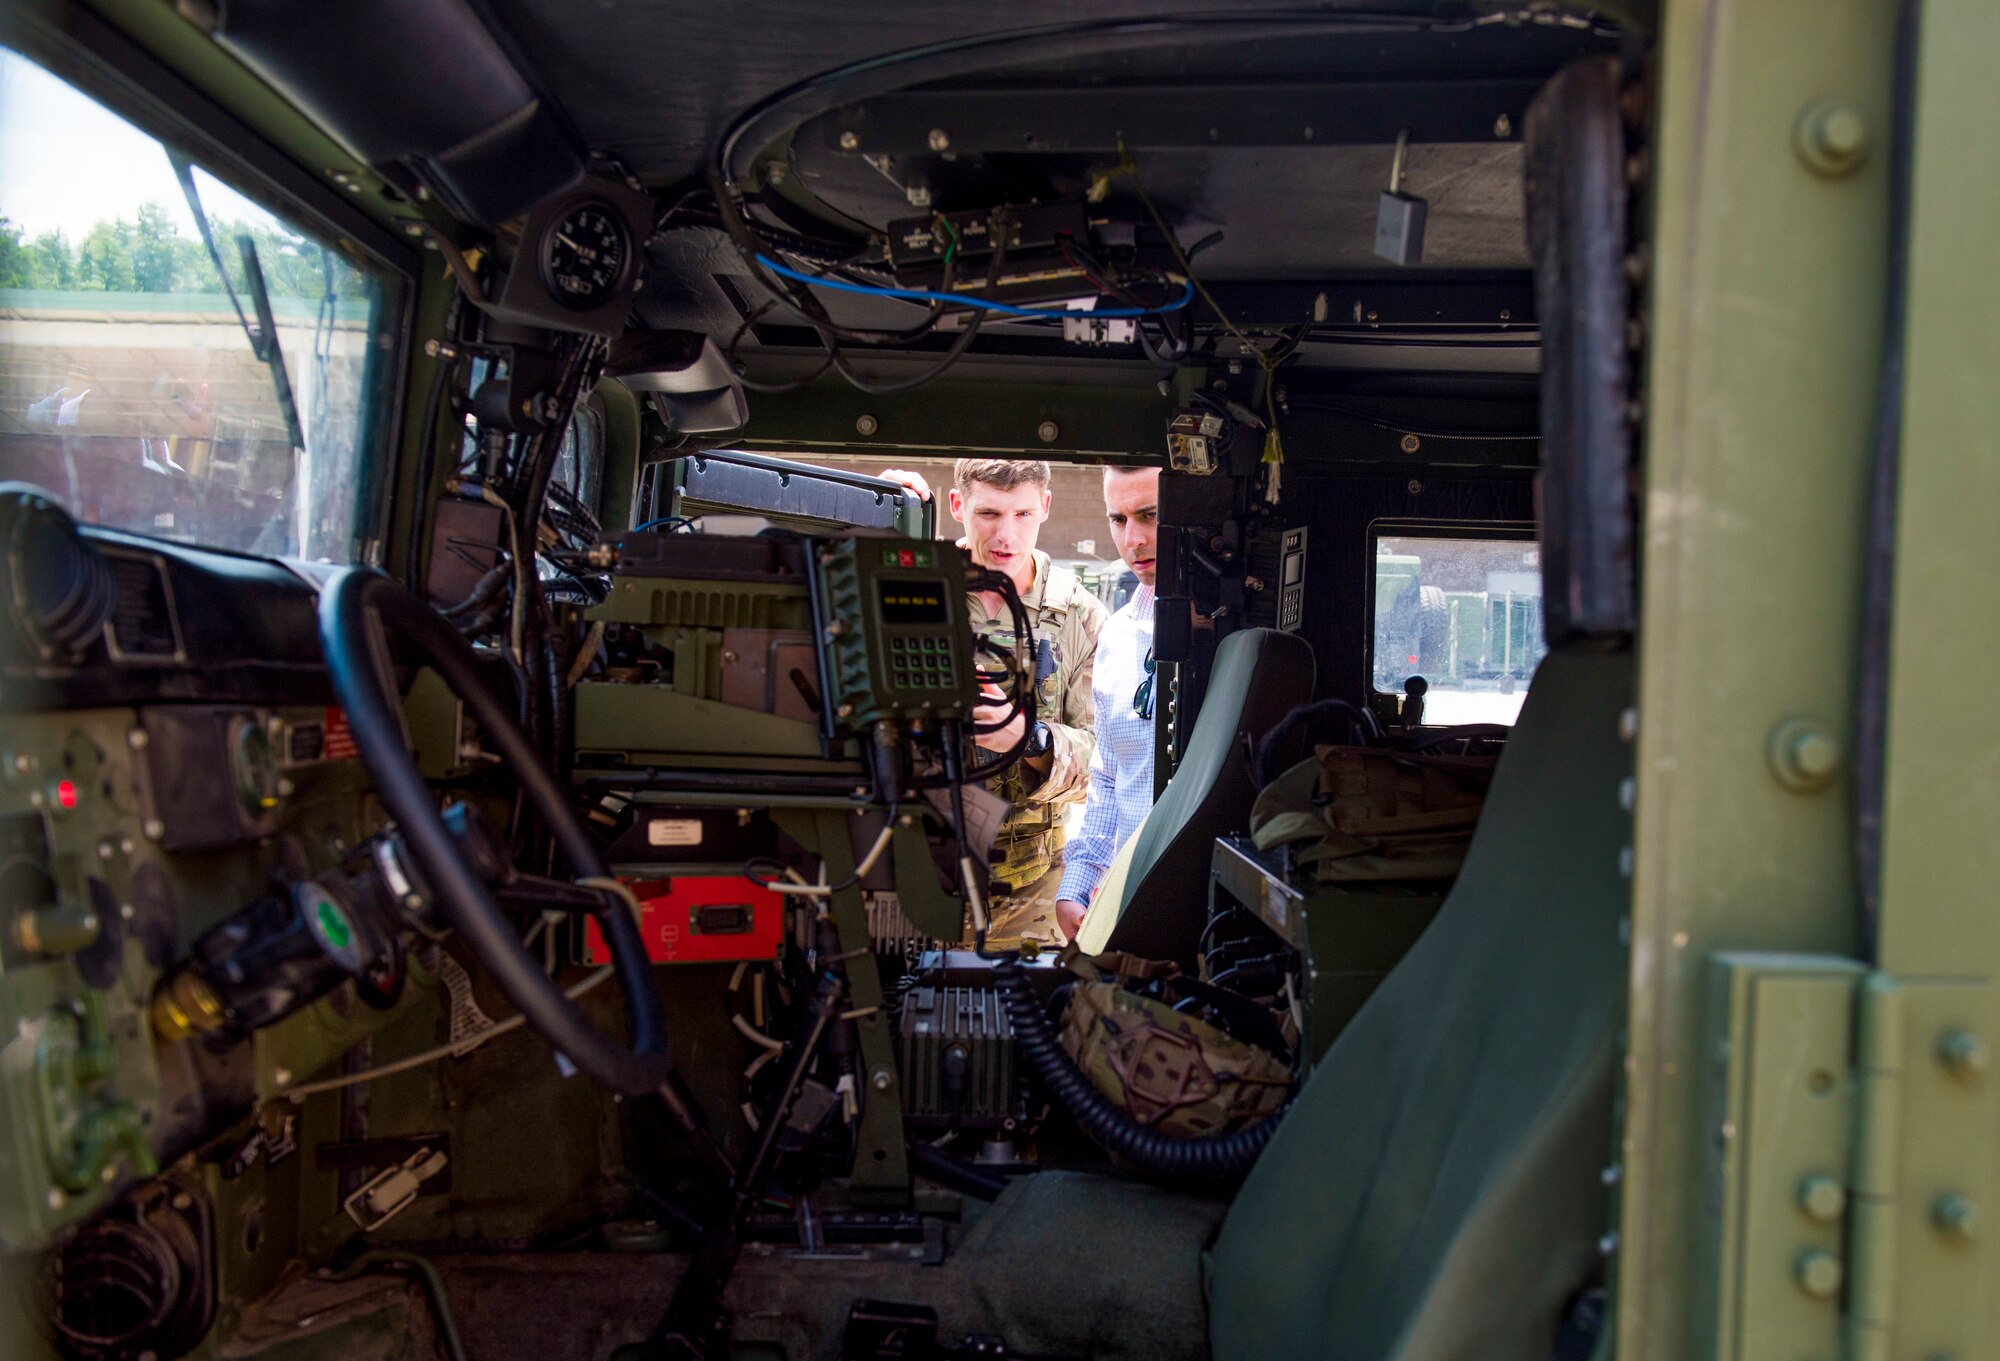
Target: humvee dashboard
[502,786]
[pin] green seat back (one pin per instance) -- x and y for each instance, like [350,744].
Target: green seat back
[1260,675]
[1436,1193]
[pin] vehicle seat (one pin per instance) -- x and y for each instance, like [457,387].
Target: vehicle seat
[1435,1193]
[1162,900]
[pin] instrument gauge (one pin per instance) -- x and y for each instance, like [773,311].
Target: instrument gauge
[585,255]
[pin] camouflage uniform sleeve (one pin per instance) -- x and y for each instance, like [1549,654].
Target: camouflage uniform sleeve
[1073,721]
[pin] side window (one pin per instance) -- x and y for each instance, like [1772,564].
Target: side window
[1464,613]
[175,359]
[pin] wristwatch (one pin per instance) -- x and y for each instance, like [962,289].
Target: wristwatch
[1040,739]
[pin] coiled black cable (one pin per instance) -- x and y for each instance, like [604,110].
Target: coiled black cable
[1212,1156]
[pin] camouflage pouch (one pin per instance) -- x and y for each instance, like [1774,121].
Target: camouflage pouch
[1168,1070]
[1366,814]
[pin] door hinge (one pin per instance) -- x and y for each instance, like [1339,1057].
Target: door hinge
[1850,1131]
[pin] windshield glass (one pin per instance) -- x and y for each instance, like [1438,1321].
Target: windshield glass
[1466,615]
[132,385]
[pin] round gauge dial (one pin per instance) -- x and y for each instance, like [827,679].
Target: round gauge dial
[585,253]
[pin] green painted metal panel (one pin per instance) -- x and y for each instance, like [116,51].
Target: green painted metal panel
[1764,300]
[1941,857]
[637,720]
[1779,1114]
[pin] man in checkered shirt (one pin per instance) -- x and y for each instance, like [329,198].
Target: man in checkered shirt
[1121,769]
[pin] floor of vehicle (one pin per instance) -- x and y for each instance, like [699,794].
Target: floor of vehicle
[1044,1268]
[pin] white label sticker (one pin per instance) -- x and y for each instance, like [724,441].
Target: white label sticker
[673,832]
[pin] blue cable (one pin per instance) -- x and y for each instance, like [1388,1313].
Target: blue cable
[963,300]
[663,520]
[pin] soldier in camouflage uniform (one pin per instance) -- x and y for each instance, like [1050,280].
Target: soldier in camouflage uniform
[1002,503]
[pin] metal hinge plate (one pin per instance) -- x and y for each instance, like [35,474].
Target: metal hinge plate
[1852,1128]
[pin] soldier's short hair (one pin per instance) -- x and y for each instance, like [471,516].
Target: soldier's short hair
[1002,474]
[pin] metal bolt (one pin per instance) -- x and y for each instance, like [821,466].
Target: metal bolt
[1411,444]
[56,1198]
[1822,1198]
[1635,167]
[1611,1175]
[1831,137]
[1804,755]
[939,140]
[1635,264]
[281,1077]
[881,1081]
[1628,793]
[1414,487]
[1818,1273]
[136,739]
[1048,431]
[850,140]
[154,829]
[1628,726]
[845,711]
[774,172]
[1503,127]
[1956,1217]
[1962,1053]
[866,425]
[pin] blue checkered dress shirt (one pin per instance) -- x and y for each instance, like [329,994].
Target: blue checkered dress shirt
[1121,770]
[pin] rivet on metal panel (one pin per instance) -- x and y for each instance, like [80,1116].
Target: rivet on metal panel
[1804,755]
[1832,137]
[1822,1198]
[1818,1273]
[1962,1052]
[1956,1217]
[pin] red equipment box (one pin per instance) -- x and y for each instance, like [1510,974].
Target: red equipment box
[700,920]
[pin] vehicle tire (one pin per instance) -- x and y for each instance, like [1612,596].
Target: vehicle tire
[1433,632]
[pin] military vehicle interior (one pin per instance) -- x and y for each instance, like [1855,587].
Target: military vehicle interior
[466,583]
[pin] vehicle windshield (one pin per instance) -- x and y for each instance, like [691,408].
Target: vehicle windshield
[206,387]
[1466,615]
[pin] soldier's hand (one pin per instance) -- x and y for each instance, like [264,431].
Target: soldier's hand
[914,481]
[1069,917]
[1004,738]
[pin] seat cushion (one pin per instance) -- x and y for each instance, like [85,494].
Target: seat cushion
[1259,676]
[1435,1193]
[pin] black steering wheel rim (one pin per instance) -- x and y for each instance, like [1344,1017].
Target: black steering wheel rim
[358,608]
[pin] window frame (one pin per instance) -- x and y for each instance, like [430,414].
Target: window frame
[102,63]
[1392,527]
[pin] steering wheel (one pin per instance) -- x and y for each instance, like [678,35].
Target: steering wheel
[358,609]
